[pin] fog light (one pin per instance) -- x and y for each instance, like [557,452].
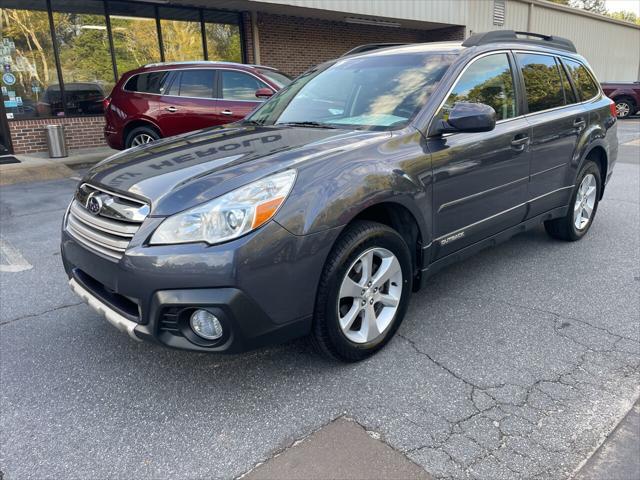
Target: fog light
[206,325]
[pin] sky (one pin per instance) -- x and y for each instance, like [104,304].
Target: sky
[617,5]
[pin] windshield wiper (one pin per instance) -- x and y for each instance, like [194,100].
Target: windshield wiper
[252,122]
[307,124]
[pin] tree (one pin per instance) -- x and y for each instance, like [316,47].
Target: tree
[594,6]
[625,16]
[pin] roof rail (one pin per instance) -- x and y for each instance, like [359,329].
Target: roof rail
[510,36]
[204,62]
[371,46]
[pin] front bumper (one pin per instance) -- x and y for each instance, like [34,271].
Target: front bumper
[113,317]
[261,286]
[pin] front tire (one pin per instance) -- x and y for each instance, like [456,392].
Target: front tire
[363,293]
[582,207]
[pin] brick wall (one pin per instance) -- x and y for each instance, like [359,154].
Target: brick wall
[28,136]
[293,44]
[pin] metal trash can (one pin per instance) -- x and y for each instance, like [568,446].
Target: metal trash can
[56,142]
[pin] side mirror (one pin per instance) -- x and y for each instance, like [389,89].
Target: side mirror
[264,92]
[469,117]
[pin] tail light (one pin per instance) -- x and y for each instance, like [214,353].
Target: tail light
[612,107]
[106,102]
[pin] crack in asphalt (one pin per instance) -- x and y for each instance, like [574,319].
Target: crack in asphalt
[556,401]
[33,315]
[559,316]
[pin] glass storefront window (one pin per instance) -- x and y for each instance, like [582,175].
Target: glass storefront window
[222,34]
[135,36]
[31,77]
[85,57]
[181,34]
[27,59]
[223,42]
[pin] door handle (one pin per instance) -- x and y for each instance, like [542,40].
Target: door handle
[520,141]
[226,112]
[579,123]
[171,109]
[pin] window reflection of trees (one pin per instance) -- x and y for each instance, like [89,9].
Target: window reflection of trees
[543,85]
[495,87]
[582,80]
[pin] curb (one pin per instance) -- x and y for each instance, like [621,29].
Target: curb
[39,167]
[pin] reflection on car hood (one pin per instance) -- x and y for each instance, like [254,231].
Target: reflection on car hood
[177,173]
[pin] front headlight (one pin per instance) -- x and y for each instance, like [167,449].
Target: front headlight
[229,216]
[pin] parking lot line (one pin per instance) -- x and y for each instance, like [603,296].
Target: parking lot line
[11,260]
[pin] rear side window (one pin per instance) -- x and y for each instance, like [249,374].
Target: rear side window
[239,86]
[152,82]
[194,83]
[488,80]
[582,79]
[569,95]
[542,81]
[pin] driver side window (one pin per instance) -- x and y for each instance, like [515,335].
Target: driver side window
[488,80]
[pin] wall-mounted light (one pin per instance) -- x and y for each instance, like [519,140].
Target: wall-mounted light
[368,21]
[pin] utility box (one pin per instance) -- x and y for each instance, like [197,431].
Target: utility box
[56,142]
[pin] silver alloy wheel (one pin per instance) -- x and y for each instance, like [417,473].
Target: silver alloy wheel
[141,139]
[622,109]
[370,295]
[585,201]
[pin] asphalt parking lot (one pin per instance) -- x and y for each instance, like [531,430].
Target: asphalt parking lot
[514,364]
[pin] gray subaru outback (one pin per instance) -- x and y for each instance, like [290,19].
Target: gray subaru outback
[321,212]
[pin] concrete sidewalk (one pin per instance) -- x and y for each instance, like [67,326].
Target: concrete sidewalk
[340,450]
[39,166]
[618,458]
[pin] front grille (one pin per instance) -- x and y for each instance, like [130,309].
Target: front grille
[110,230]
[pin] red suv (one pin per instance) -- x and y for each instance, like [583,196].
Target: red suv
[165,99]
[626,95]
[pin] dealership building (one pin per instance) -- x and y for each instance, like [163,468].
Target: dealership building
[54,53]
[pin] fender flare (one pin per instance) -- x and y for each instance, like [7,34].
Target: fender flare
[604,160]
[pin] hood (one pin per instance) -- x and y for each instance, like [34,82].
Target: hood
[180,172]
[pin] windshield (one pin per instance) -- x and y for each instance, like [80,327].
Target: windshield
[374,92]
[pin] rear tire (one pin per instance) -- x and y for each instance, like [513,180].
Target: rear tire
[582,207]
[363,293]
[625,107]
[141,136]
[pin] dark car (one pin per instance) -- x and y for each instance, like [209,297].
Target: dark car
[626,95]
[82,98]
[327,207]
[165,99]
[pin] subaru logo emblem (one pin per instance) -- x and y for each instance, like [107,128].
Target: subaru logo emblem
[94,204]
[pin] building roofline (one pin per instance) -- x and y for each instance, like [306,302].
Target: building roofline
[579,11]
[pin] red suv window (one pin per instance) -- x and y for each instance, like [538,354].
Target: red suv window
[239,85]
[194,83]
[152,82]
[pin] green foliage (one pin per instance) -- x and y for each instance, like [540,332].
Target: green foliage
[625,16]
[542,83]
[84,48]
[595,6]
